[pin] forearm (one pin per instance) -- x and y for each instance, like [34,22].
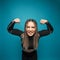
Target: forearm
[49,27]
[10,26]
[12,30]
[46,31]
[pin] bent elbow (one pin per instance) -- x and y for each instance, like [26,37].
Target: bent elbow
[51,31]
[8,29]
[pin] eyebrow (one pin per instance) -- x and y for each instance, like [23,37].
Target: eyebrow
[32,26]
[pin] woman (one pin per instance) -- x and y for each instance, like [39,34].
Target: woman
[30,36]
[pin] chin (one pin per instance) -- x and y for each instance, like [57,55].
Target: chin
[30,35]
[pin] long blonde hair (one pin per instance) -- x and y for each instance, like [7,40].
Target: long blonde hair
[25,37]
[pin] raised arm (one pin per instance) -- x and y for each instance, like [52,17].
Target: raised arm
[48,30]
[11,28]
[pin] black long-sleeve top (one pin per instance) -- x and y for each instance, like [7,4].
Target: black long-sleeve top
[18,32]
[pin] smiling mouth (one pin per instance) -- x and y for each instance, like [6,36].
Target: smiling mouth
[30,32]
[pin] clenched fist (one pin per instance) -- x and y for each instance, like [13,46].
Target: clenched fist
[43,21]
[17,20]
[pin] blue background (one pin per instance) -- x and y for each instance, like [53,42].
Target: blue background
[10,45]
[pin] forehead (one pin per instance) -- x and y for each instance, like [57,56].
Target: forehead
[30,23]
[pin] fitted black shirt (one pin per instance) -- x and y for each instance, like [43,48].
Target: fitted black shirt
[30,42]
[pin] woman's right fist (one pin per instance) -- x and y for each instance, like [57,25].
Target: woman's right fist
[17,20]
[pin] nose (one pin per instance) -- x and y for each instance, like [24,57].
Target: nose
[30,29]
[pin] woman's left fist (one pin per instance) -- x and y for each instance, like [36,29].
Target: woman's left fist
[43,21]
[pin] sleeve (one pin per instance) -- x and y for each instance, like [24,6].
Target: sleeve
[11,29]
[46,32]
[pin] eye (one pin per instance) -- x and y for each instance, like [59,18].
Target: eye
[27,27]
[33,27]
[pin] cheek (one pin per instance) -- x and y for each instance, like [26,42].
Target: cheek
[34,29]
[27,29]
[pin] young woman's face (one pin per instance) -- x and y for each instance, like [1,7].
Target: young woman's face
[30,28]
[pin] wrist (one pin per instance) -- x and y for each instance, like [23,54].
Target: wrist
[13,21]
